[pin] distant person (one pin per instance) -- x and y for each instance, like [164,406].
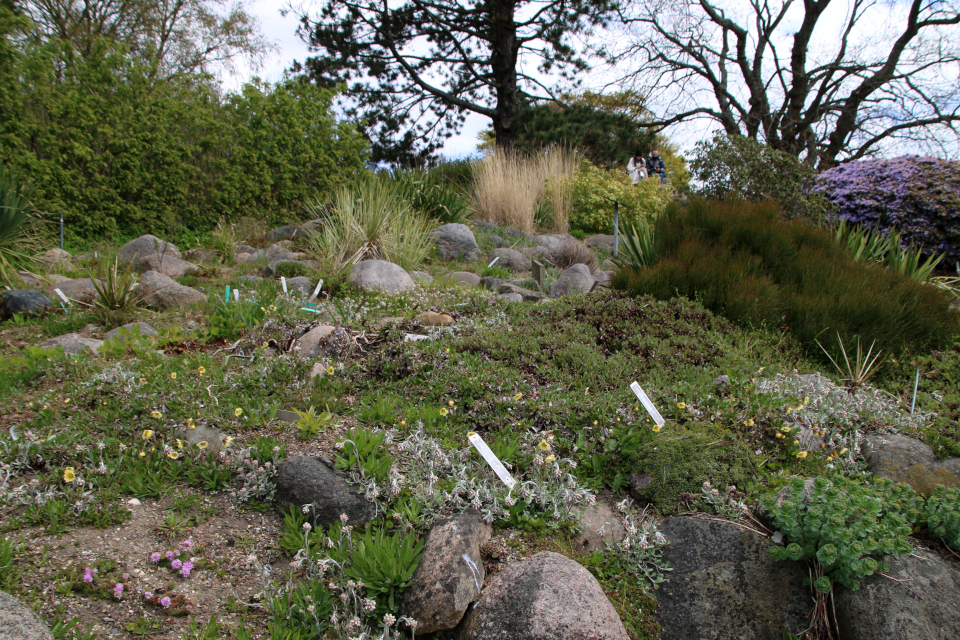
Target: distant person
[636,167]
[655,165]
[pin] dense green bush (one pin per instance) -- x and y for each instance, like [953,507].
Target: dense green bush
[592,214]
[123,153]
[743,261]
[737,165]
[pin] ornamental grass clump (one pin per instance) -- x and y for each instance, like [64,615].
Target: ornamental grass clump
[743,261]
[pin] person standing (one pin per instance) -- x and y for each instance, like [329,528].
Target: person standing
[636,167]
[656,166]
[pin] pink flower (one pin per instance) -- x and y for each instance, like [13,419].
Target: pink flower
[176,564]
[165,602]
[155,556]
[186,569]
[170,555]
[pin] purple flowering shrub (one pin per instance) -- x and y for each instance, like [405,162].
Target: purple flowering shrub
[918,196]
[179,560]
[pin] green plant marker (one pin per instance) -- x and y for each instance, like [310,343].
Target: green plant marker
[310,310]
[226,298]
[916,383]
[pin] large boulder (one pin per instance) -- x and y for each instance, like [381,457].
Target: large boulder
[72,343]
[19,622]
[171,266]
[131,329]
[724,584]
[462,277]
[81,290]
[507,288]
[301,284]
[456,242]
[160,292]
[284,233]
[546,597]
[54,258]
[305,480]
[381,275]
[146,245]
[574,280]
[556,241]
[921,601]
[510,259]
[22,301]
[279,253]
[201,255]
[312,343]
[450,575]
[601,241]
[905,459]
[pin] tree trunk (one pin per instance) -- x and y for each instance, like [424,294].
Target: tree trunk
[503,65]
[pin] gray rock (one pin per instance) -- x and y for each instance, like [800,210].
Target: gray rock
[270,271]
[72,343]
[244,248]
[642,488]
[576,279]
[19,622]
[312,342]
[510,232]
[121,333]
[507,288]
[483,224]
[600,527]
[602,278]
[204,437]
[31,280]
[510,297]
[250,279]
[510,259]
[491,283]
[601,241]
[546,597]
[201,255]
[81,290]
[724,584]
[279,253]
[920,602]
[167,265]
[53,258]
[304,480]
[23,301]
[421,277]
[456,242]
[312,226]
[721,381]
[538,252]
[160,292]
[381,275]
[904,459]
[497,241]
[302,284]
[247,258]
[463,277]
[146,245]
[609,265]
[284,233]
[555,241]
[450,575]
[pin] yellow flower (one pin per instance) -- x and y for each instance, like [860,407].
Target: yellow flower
[595,423]
[656,428]
[448,350]
[681,405]
[330,370]
[444,411]
[66,401]
[795,441]
[173,375]
[789,409]
[450,402]
[147,434]
[802,454]
[179,443]
[844,450]
[403,423]
[517,396]
[202,444]
[143,381]
[779,435]
[173,455]
[237,412]
[156,414]
[228,441]
[190,424]
[201,369]
[69,475]
[750,422]
[785,429]
[141,454]
[550,458]
[544,445]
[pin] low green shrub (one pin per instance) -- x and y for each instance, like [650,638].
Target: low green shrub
[942,516]
[840,523]
[361,450]
[591,213]
[293,270]
[384,563]
[741,260]
[230,319]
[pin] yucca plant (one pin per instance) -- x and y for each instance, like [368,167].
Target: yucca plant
[909,260]
[870,245]
[116,295]
[371,221]
[19,233]
[638,246]
[865,244]
[863,366]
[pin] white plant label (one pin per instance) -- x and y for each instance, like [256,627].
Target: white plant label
[492,460]
[645,401]
[62,297]
[493,262]
[236,295]
[283,283]
[317,290]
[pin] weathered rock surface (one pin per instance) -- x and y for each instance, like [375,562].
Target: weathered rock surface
[434,319]
[555,241]
[250,279]
[456,242]
[284,233]
[382,276]
[463,277]
[450,575]
[483,224]
[600,241]
[510,259]
[511,232]
[507,288]
[313,341]
[279,253]
[724,584]
[601,527]
[53,258]
[421,277]
[304,480]
[72,343]
[546,597]
[537,253]
[491,283]
[496,241]
[510,297]
[121,333]
[574,280]
[80,290]
[201,255]
[19,622]
[161,292]
[146,245]
[23,301]
[205,437]
[301,284]
[168,265]
[920,602]
[904,459]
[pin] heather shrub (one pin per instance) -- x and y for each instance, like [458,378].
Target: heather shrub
[571,253]
[743,261]
[593,214]
[920,197]
[734,165]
